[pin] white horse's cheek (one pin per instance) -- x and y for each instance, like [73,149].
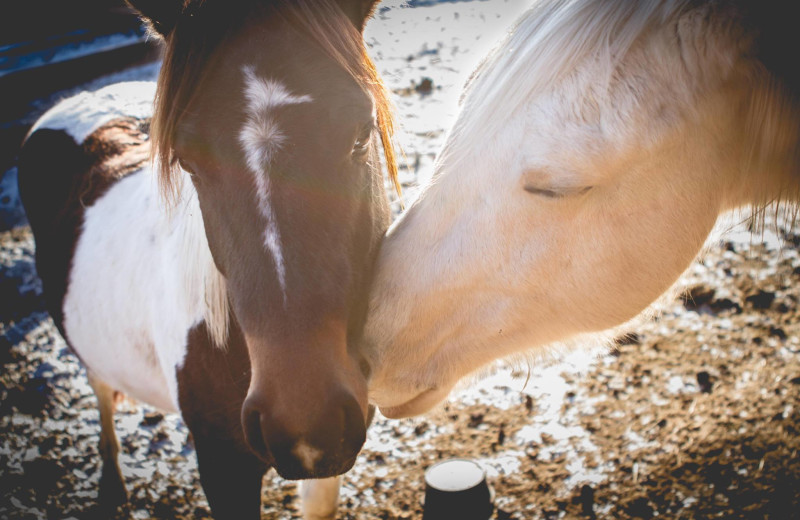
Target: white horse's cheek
[626,255]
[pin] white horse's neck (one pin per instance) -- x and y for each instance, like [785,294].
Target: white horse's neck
[771,164]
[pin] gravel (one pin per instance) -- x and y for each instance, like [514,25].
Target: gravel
[694,414]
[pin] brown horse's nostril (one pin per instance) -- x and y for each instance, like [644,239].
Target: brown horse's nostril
[251,423]
[355,427]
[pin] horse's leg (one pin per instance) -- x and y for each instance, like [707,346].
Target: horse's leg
[319,498]
[112,485]
[212,383]
[231,477]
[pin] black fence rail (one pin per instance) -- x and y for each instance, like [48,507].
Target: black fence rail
[51,45]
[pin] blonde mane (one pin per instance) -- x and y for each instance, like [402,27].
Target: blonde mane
[545,46]
[205,285]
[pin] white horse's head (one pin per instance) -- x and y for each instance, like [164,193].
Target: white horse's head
[593,153]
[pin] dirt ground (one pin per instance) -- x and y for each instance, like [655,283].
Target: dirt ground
[694,414]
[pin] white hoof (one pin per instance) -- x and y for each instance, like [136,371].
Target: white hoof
[319,498]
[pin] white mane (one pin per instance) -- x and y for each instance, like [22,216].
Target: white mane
[546,45]
[200,271]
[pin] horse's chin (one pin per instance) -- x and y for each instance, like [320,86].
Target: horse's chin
[297,472]
[418,405]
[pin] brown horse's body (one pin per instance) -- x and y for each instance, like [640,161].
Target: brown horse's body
[211,382]
[237,303]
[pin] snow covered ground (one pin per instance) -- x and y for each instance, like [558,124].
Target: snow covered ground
[628,434]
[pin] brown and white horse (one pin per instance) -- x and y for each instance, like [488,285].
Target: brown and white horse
[238,303]
[594,151]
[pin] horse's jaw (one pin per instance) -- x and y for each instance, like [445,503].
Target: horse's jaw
[419,345]
[422,403]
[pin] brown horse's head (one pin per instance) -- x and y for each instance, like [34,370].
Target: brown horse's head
[276,113]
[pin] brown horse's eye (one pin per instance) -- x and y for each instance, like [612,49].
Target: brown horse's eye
[361,145]
[186,166]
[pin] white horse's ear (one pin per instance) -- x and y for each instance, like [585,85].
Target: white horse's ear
[160,15]
[359,11]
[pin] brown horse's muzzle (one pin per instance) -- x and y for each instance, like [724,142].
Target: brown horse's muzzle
[325,447]
[306,414]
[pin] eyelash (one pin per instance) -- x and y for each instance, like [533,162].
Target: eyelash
[365,136]
[555,194]
[183,166]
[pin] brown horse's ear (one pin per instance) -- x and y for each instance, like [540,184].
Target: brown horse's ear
[160,15]
[359,11]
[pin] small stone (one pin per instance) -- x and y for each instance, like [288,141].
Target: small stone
[761,300]
[425,86]
[725,304]
[777,332]
[528,403]
[697,296]
[587,500]
[640,508]
[475,420]
[502,514]
[705,382]
[152,418]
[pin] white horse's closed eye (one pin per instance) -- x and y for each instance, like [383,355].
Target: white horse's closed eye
[554,192]
[593,153]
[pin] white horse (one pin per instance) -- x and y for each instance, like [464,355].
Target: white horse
[594,151]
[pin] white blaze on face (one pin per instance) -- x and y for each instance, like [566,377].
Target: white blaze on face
[307,454]
[261,138]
